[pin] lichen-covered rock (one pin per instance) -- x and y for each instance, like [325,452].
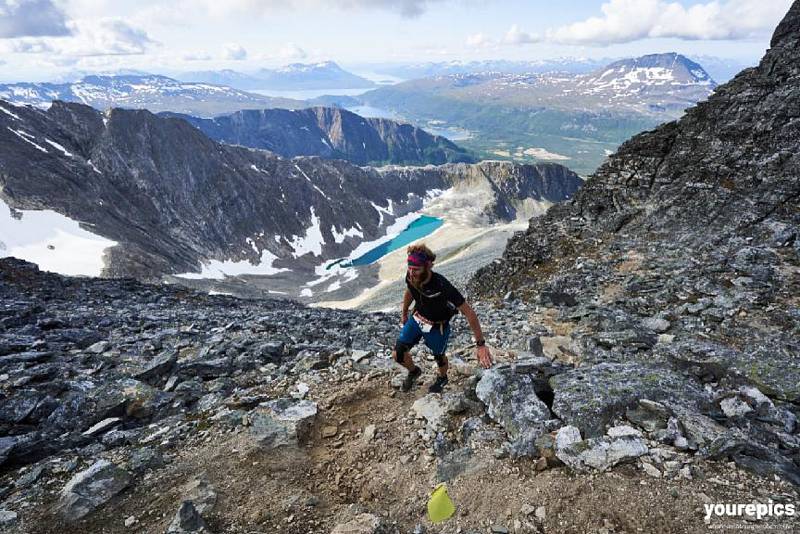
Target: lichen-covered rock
[591,397]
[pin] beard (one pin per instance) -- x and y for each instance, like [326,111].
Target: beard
[419,277]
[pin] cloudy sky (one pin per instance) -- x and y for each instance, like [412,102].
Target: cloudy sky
[48,39]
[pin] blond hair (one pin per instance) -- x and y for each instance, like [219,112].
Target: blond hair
[421,247]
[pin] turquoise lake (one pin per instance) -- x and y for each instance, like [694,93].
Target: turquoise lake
[419,228]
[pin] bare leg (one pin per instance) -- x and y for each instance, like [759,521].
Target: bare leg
[444,367]
[407,362]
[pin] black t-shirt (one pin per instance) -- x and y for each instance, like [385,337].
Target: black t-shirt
[438,300]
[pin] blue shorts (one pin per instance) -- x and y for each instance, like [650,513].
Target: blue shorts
[436,339]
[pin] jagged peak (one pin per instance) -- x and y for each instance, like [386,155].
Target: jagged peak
[789,28]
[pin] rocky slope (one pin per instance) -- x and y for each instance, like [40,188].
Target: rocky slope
[676,269]
[146,91]
[174,199]
[153,408]
[331,133]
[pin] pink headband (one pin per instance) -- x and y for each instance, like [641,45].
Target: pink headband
[418,259]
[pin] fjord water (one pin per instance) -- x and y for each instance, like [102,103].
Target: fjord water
[420,228]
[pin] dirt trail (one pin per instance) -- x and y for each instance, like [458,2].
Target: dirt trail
[345,469]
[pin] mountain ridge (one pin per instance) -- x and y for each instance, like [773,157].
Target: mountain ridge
[174,199]
[331,133]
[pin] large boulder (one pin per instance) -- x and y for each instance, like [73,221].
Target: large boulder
[282,422]
[510,395]
[589,398]
[90,488]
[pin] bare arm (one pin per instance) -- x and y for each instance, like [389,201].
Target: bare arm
[484,356]
[407,299]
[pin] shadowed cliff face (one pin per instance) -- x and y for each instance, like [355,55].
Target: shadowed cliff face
[682,253]
[173,198]
[330,133]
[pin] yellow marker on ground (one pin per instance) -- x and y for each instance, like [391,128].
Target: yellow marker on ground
[440,507]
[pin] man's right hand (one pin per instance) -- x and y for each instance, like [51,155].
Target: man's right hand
[404,318]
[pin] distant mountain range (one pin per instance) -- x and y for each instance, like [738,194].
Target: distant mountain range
[330,133]
[720,69]
[149,91]
[446,68]
[294,77]
[576,118]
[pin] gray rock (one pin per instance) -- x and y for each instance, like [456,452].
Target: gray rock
[734,407]
[103,426]
[459,462]
[649,415]
[511,400]
[187,519]
[601,453]
[282,422]
[158,367]
[590,398]
[656,324]
[30,477]
[90,488]
[566,436]
[201,493]
[7,518]
[431,409]
[145,458]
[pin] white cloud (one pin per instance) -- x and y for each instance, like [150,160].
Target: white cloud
[102,37]
[197,56]
[31,18]
[480,40]
[235,51]
[292,52]
[106,37]
[515,36]
[629,20]
[29,46]
[406,8]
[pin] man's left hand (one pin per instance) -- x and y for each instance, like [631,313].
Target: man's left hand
[484,356]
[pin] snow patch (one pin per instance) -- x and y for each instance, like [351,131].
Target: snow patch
[218,270]
[9,112]
[312,241]
[54,242]
[92,165]
[27,138]
[349,232]
[59,147]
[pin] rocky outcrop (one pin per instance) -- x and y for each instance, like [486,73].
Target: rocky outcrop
[676,268]
[330,133]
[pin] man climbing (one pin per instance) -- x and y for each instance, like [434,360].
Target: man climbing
[436,302]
